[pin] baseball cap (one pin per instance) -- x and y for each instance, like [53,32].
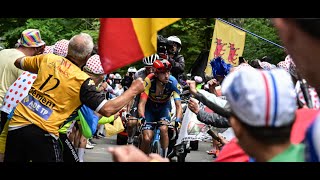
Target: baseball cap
[93,65]
[31,38]
[61,47]
[261,98]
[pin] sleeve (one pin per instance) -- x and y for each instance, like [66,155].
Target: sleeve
[90,96]
[176,88]
[176,96]
[147,85]
[219,110]
[105,120]
[213,119]
[32,63]
[213,98]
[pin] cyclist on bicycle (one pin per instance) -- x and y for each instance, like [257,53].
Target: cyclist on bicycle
[155,104]
[143,72]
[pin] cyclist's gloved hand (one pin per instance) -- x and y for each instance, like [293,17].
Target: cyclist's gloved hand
[177,122]
[142,120]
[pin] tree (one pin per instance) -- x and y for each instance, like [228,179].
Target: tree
[51,29]
[256,48]
[195,34]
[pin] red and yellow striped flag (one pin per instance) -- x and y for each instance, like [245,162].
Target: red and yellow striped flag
[123,41]
[227,42]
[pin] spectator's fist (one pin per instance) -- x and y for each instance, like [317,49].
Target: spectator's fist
[137,86]
[192,86]
[193,106]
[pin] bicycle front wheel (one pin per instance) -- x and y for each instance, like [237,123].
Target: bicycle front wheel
[156,147]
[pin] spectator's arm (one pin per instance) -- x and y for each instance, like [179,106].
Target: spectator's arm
[213,119]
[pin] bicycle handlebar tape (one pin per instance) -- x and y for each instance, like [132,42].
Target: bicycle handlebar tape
[142,119]
[214,107]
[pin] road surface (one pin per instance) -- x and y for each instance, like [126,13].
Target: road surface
[99,152]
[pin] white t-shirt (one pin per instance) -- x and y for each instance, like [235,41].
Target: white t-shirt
[8,71]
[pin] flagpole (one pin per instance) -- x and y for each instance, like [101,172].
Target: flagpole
[250,33]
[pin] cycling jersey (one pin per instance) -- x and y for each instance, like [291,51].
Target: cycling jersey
[59,90]
[172,87]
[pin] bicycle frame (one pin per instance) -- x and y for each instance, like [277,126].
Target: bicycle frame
[155,145]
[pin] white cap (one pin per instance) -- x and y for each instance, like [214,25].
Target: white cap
[61,47]
[261,97]
[93,65]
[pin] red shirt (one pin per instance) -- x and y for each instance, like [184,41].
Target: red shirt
[232,152]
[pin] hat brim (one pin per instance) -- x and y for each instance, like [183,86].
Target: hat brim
[38,45]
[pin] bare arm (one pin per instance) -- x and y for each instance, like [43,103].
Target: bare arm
[130,105]
[114,105]
[18,62]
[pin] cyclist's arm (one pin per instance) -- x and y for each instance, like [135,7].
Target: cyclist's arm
[130,104]
[177,102]
[141,107]
[96,101]
[144,97]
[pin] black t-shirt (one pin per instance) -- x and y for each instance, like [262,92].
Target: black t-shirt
[90,96]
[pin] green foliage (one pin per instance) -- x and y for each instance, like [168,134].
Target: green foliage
[53,29]
[256,48]
[195,34]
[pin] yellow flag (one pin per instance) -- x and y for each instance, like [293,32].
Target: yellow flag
[146,30]
[227,42]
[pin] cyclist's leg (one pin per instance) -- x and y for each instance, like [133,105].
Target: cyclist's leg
[165,118]
[132,124]
[147,129]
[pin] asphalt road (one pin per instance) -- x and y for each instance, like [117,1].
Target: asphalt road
[99,152]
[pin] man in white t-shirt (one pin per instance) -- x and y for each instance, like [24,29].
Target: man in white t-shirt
[29,44]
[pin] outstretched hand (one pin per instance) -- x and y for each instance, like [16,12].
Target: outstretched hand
[192,86]
[130,153]
[193,106]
